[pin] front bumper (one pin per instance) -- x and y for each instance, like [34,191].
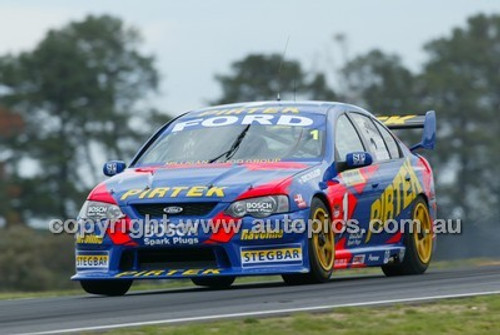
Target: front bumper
[278,252]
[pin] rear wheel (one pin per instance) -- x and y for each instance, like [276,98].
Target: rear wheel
[214,282]
[321,247]
[419,244]
[106,287]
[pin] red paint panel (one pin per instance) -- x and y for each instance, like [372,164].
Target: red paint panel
[100,193]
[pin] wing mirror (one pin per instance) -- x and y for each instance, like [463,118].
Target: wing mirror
[358,159]
[113,167]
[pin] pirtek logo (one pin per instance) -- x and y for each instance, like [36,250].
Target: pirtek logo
[173,192]
[168,273]
[263,110]
[396,197]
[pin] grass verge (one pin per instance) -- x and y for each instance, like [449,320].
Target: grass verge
[478,315]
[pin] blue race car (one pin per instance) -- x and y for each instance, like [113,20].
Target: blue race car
[298,189]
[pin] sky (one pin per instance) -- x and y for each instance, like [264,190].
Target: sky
[194,40]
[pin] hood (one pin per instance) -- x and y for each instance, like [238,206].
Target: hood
[221,182]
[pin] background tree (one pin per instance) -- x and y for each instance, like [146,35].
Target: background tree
[261,77]
[10,125]
[382,82]
[78,93]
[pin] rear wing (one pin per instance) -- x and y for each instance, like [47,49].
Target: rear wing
[427,122]
[402,121]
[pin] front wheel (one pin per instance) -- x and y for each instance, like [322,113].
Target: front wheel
[321,247]
[106,287]
[214,282]
[419,244]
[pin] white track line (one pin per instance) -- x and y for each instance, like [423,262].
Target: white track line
[259,313]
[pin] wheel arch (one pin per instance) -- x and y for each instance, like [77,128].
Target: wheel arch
[423,196]
[321,196]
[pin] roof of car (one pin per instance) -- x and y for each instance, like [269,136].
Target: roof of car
[321,107]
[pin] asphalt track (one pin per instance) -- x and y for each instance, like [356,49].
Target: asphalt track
[87,313]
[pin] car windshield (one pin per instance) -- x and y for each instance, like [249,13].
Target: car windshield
[210,141]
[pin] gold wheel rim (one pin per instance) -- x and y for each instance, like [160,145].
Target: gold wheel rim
[323,239]
[422,235]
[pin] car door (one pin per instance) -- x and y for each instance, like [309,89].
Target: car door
[388,160]
[351,195]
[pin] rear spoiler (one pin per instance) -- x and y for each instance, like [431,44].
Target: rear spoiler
[427,122]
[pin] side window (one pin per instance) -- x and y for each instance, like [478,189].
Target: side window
[346,138]
[372,135]
[390,141]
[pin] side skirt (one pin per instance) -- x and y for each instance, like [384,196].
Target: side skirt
[368,257]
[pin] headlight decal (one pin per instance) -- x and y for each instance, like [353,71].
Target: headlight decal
[259,207]
[96,211]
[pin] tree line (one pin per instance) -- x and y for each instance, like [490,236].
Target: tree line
[80,94]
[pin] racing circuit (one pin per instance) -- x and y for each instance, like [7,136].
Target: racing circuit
[95,313]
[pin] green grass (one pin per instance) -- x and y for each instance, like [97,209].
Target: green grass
[478,315]
[171,284]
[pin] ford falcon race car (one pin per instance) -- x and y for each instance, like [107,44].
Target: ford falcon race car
[298,189]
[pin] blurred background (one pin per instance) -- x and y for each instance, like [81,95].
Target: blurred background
[85,82]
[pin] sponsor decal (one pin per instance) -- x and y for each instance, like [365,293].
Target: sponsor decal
[111,168]
[262,256]
[358,158]
[341,262]
[358,260]
[336,211]
[173,192]
[172,210]
[263,206]
[299,200]
[249,235]
[253,110]
[227,120]
[396,197]
[373,258]
[309,176]
[387,256]
[202,164]
[98,260]
[89,239]
[166,241]
[396,120]
[402,254]
[355,239]
[169,273]
[352,177]
[171,234]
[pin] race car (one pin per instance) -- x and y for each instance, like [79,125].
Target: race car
[297,189]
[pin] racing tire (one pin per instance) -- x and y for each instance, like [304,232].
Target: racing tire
[214,282]
[321,249]
[419,245]
[110,288]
